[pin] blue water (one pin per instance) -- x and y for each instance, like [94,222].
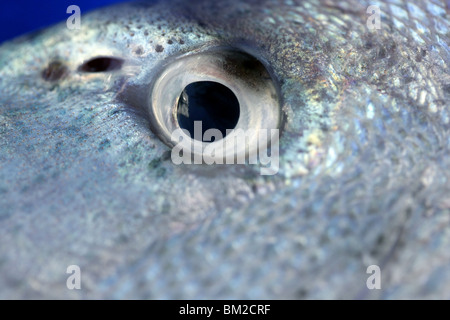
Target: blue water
[21,16]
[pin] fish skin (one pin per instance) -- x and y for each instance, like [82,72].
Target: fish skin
[364,158]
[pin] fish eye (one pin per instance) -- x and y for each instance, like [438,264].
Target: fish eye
[227,90]
[212,103]
[101,64]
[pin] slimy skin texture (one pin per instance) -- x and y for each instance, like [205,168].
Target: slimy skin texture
[364,157]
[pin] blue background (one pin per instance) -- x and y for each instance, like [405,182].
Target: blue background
[21,16]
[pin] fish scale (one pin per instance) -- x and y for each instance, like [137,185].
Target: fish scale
[364,165]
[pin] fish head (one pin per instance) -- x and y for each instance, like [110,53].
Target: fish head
[87,170]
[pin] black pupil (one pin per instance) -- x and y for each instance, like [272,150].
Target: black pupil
[212,103]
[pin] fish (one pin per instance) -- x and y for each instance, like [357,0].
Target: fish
[359,95]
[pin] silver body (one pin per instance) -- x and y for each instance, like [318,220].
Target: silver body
[364,168]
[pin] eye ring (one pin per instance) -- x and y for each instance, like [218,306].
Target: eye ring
[240,72]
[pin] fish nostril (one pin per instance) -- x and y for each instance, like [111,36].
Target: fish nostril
[102,64]
[212,103]
[56,70]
